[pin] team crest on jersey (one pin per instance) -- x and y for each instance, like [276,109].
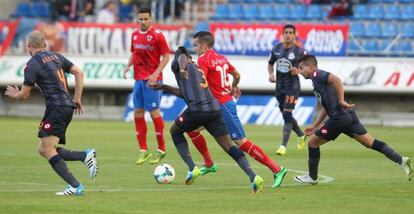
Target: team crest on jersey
[324,131]
[291,56]
[149,37]
[135,38]
[47,126]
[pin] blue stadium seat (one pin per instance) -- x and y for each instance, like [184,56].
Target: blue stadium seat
[236,11]
[374,1]
[251,12]
[376,12]
[371,45]
[297,12]
[282,12]
[389,1]
[314,11]
[353,47]
[407,30]
[202,26]
[360,11]
[265,1]
[407,1]
[407,12]
[22,9]
[393,12]
[384,45]
[40,9]
[357,29]
[373,29]
[221,12]
[266,12]
[405,46]
[389,30]
[235,1]
[282,1]
[125,12]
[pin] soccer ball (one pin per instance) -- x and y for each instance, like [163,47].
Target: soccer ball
[164,173]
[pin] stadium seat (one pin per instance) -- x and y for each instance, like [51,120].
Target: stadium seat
[40,9]
[251,12]
[314,11]
[22,9]
[357,29]
[376,12]
[125,12]
[201,26]
[222,12]
[265,1]
[407,1]
[353,47]
[266,12]
[282,1]
[405,46]
[374,1]
[389,1]
[407,12]
[236,11]
[371,45]
[389,30]
[407,30]
[297,12]
[373,29]
[393,12]
[360,12]
[383,45]
[282,12]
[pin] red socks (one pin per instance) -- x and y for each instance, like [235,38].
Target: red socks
[159,132]
[201,145]
[141,129]
[257,153]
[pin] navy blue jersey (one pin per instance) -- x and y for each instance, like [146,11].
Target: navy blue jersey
[194,90]
[326,93]
[285,58]
[47,70]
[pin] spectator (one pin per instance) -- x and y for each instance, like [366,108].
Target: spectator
[53,32]
[108,14]
[65,10]
[341,8]
[87,11]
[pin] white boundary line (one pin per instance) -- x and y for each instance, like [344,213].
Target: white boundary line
[322,179]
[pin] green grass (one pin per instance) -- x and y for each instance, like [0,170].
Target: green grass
[365,181]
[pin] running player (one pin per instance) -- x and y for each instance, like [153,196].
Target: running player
[286,55]
[342,118]
[202,110]
[47,70]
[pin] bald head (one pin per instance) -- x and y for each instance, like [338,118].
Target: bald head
[36,40]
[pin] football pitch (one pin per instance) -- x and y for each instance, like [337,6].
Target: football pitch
[354,179]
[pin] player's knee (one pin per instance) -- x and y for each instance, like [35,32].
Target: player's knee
[44,151]
[155,113]
[235,153]
[287,116]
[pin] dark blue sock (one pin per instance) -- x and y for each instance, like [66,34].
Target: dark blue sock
[313,162]
[242,161]
[182,147]
[60,167]
[287,127]
[387,151]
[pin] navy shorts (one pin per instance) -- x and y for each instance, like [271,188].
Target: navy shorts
[287,100]
[212,121]
[144,97]
[347,123]
[55,122]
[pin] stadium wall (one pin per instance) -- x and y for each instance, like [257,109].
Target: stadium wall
[381,88]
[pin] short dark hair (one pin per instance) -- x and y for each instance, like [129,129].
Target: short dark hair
[289,26]
[205,37]
[145,10]
[309,59]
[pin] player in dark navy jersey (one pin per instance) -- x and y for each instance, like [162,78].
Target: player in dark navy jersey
[286,55]
[342,118]
[47,70]
[202,110]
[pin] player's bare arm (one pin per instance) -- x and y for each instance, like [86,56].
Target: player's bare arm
[16,93]
[153,77]
[78,88]
[182,63]
[270,70]
[339,88]
[294,71]
[167,88]
[127,67]
[235,90]
[319,120]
